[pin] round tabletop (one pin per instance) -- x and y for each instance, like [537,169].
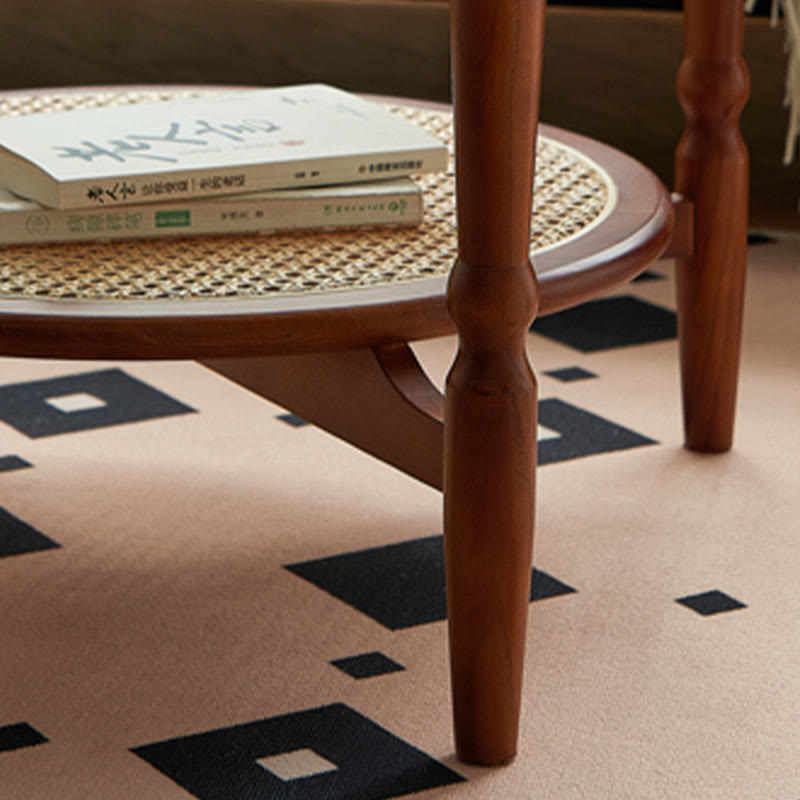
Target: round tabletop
[599,219]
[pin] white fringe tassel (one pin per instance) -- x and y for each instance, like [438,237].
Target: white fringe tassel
[791,14]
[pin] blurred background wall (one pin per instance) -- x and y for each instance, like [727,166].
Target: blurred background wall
[609,67]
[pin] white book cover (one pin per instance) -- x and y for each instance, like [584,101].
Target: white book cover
[225,143]
[392,202]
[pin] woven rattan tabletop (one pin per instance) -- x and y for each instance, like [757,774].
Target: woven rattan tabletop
[365,274]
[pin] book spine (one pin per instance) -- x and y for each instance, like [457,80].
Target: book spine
[208,183]
[270,214]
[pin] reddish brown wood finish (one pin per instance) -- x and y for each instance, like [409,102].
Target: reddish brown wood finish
[490,408]
[712,171]
[378,400]
[681,244]
[633,236]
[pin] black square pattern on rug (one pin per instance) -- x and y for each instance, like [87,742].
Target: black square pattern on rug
[19,735]
[83,402]
[544,586]
[367,665]
[10,463]
[579,433]
[400,585]
[754,238]
[570,374]
[648,275]
[17,537]
[608,323]
[711,602]
[326,753]
[293,420]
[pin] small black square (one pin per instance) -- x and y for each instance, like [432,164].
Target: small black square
[293,420]
[648,275]
[360,759]
[570,374]
[755,237]
[711,602]
[32,408]
[15,737]
[367,665]
[10,463]
[399,585]
[608,323]
[17,537]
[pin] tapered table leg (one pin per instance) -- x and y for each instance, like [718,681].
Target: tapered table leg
[490,448]
[712,170]
[490,405]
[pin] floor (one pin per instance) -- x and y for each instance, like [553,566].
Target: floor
[205,597]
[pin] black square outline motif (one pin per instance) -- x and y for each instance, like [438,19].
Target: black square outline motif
[711,602]
[608,323]
[24,406]
[18,537]
[367,665]
[400,585]
[371,763]
[19,735]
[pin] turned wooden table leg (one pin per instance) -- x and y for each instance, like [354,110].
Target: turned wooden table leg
[490,407]
[712,170]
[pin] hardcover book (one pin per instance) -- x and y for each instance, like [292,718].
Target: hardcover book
[225,143]
[391,202]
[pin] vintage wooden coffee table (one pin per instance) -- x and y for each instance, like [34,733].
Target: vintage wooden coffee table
[321,324]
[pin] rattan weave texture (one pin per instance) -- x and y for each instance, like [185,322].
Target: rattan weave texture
[572,195]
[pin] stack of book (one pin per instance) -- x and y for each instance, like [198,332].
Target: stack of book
[308,156]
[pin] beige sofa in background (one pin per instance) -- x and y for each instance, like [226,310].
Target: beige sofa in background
[608,73]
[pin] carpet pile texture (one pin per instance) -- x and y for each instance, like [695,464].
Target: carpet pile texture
[202,596]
